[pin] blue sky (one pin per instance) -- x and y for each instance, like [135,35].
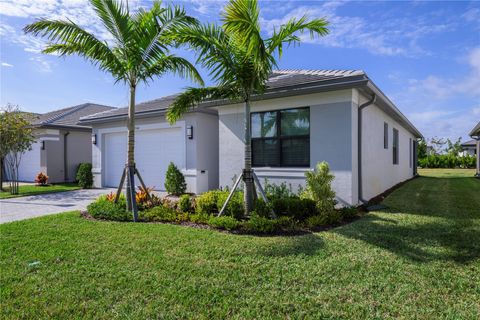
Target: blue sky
[424,55]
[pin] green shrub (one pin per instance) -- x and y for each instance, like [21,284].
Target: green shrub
[447,161]
[200,218]
[319,187]
[263,209]
[295,207]
[174,180]
[102,208]
[287,223]
[260,224]
[234,207]
[348,212]
[324,218]
[224,222]
[185,203]
[207,202]
[85,176]
[274,191]
[160,214]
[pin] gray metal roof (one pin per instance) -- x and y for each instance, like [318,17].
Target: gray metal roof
[69,117]
[469,143]
[280,83]
[476,130]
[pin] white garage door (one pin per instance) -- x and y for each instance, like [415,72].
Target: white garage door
[154,149]
[30,164]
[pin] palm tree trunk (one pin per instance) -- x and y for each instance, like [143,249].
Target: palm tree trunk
[131,201]
[247,172]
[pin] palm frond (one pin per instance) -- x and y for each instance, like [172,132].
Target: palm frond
[67,38]
[286,34]
[191,97]
[171,64]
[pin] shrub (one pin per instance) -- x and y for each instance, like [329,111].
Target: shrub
[234,207]
[185,203]
[103,208]
[274,191]
[447,161]
[263,209]
[348,212]
[160,214]
[207,202]
[200,218]
[319,188]
[298,208]
[85,176]
[41,179]
[224,222]
[174,180]
[287,223]
[324,218]
[260,224]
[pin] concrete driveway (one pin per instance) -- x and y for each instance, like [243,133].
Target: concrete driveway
[44,204]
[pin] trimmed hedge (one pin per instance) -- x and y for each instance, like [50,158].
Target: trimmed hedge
[84,175]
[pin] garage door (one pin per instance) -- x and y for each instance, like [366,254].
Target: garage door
[30,164]
[154,149]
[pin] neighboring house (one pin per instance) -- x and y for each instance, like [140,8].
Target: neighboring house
[469,148]
[191,143]
[61,144]
[475,134]
[304,117]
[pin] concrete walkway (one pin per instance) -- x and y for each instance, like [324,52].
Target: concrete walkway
[44,204]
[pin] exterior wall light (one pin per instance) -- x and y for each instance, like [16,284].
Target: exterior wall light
[94,138]
[190,132]
[43,145]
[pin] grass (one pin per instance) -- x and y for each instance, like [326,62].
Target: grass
[419,259]
[30,190]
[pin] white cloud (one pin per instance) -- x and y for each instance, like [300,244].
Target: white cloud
[7,65]
[41,63]
[389,37]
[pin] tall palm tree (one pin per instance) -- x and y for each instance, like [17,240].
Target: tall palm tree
[139,52]
[240,61]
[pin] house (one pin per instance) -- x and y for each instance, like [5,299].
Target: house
[475,134]
[61,144]
[303,117]
[469,148]
[191,144]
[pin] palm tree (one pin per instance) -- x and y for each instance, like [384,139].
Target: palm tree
[240,61]
[139,52]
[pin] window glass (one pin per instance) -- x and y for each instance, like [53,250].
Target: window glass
[296,152]
[295,122]
[264,124]
[265,153]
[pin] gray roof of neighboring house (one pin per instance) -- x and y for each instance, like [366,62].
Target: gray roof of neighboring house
[68,117]
[476,130]
[469,143]
[280,83]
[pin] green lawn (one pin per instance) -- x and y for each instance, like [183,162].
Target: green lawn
[419,259]
[29,190]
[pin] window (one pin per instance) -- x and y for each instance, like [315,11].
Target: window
[395,146]
[385,135]
[281,138]
[410,151]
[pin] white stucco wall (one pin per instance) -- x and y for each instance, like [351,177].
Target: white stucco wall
[379,172]
[330,140]
[201,152]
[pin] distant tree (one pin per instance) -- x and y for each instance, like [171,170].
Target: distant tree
[422,149]
[16,137]
[437,144]
[454,148]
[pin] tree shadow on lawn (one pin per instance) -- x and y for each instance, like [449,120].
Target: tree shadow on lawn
[440,221]
[308,244]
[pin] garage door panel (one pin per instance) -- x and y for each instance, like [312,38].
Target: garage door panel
[30,164]
[154,149]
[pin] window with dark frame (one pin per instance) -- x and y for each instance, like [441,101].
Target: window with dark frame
[385,135]
[410,151]
[281,138]
[395,146]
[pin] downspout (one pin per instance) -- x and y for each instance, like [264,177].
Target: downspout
[65,165]
[359,146]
